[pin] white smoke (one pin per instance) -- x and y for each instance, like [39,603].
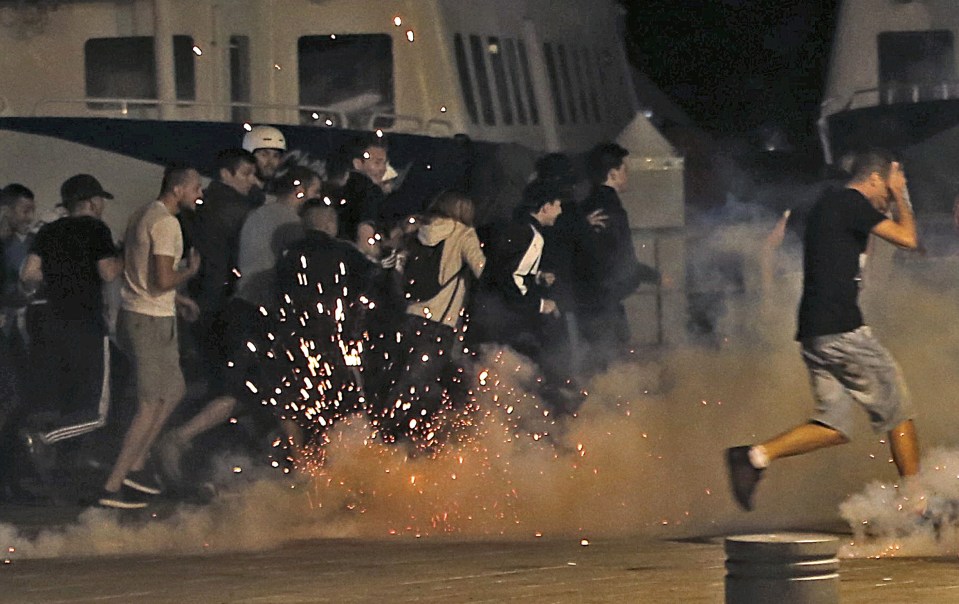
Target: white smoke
[918,517]
[643,455]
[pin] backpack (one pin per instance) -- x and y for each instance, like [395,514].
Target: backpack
[421,276]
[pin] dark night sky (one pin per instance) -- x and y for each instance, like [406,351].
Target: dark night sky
[734,65]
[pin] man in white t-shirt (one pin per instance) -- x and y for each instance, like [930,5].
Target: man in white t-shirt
[146,328]
[266,232]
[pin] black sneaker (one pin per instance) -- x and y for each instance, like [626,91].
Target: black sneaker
[143,481]
[124,499]
[743,477]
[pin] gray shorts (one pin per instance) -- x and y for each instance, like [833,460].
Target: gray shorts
[151,344]
[850,369]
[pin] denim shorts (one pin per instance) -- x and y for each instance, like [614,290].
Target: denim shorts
[850,369]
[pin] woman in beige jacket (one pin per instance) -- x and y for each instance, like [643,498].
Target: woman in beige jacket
[432,327]
[450,221]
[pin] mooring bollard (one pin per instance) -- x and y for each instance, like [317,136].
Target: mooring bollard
[782,568]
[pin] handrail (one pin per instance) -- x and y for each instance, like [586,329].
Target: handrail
[888,94]
[322,116]
[127,103]
[892,94]
[444,124]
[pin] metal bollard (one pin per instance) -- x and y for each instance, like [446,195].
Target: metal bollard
[782,568]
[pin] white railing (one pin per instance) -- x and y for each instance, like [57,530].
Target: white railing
[891,94]
[133,108]
[888,94]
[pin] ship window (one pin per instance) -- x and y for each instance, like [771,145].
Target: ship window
[240,77]
[479,66]
[580,81]
[466,83]
[510,49]
[528,81]
[567,83]
[120,68]
[917,65]
[347,78]
[589,69]
[125,68]
[499,78]
[605,60]
[554,82]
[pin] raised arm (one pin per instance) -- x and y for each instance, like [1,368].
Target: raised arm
[900,230]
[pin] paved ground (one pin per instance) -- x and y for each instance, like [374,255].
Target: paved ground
[440,570]
[627,569]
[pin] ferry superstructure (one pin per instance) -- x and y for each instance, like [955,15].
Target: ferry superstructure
[893,82]
[117,87]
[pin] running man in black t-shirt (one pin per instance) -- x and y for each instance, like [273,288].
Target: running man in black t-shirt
[847,364]
[69,261]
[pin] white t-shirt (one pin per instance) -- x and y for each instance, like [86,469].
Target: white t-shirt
[152,231]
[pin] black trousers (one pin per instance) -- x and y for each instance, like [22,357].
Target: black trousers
[69,360]
[422,376]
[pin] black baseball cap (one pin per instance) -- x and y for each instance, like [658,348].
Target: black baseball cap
[81,187]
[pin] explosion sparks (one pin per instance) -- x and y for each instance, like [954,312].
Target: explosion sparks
[640,455]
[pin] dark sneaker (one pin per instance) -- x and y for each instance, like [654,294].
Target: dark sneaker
[143,481]
[743,477]
[121,500]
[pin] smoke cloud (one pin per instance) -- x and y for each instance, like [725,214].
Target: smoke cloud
[643,455]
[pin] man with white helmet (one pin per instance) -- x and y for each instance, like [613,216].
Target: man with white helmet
[267,144]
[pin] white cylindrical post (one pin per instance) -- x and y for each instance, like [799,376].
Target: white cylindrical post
[782,568]
[163,57]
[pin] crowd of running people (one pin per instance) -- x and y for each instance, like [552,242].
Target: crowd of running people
[292,298]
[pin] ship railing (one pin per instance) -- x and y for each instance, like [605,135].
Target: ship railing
[917,93]
[892,94]
[312,115]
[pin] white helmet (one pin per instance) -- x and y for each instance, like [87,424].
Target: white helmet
[264,137]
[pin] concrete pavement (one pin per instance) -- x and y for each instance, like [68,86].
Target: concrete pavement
[442,570]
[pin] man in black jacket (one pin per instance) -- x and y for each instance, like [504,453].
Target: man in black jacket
[215,233]
[607,270]
[323,284]
[514,304]
[362,195]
